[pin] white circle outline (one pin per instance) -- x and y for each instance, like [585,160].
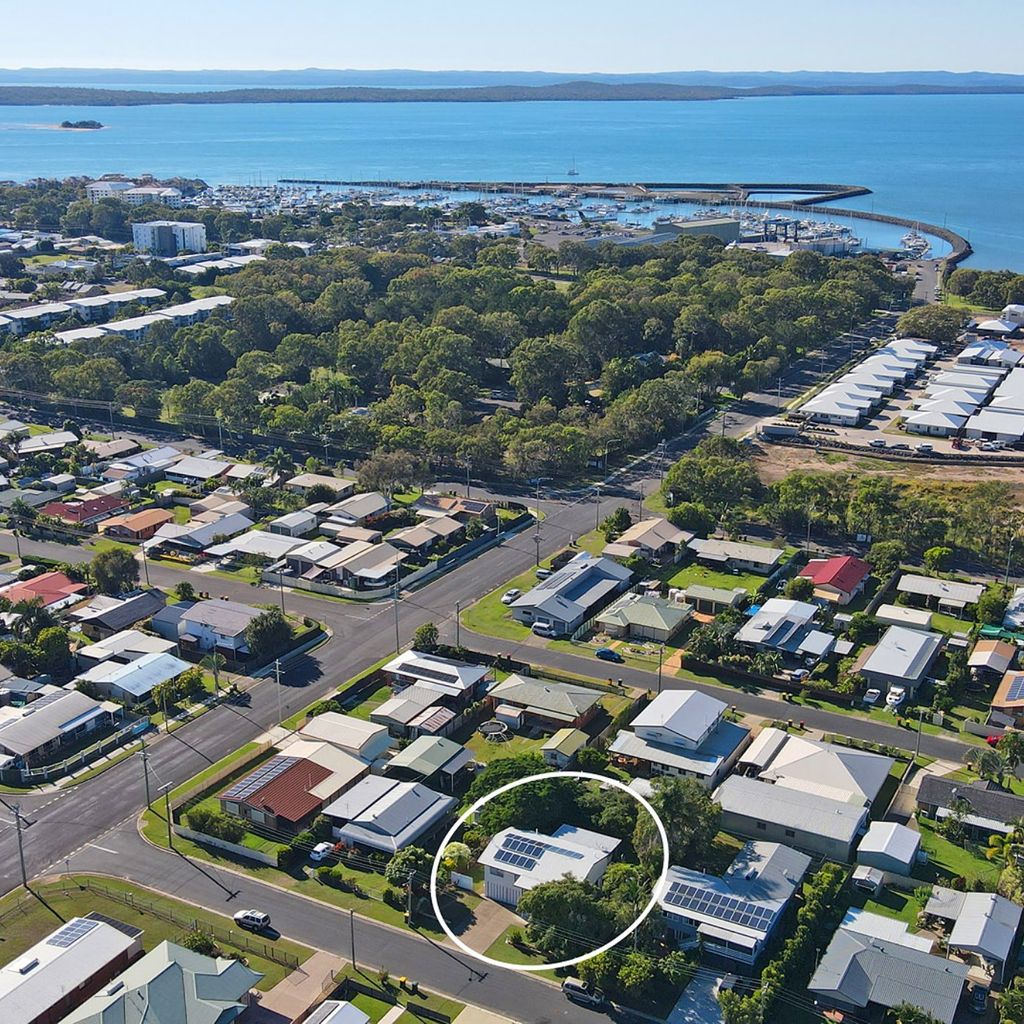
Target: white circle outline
[604,779]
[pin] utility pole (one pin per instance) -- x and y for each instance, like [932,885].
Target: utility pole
[467,478]
[780,394]
[394,601]
[920,726]
[145,773]
[640,502]
[220,434]
[661,656]
[277,676]
[280,587]
[166,787]
[408,897]
[352,934]
[536,541]
[17,541]
[1009,555]
[458,634]
[20,824]
[597,507]
[145,562]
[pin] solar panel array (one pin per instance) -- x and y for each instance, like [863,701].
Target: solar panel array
[1016,691]
[255,781]
[719,906]
[436,674]
[71,933]
[524,853]
[517,860]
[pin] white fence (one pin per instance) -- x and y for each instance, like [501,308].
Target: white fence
[222,844]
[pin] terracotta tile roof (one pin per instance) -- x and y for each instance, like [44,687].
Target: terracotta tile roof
[843,572]
[49,587]
[82,511]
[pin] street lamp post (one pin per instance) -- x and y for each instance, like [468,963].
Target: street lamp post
[398,642]
[145,563]
[597,506]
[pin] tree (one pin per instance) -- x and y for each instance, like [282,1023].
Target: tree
[800,588]
[987,762]
[426,638]
[412,860]
[940,324]
[281,464]
[691,819]
[1011,747]
[617,523]
[199,941]
[907,1013]
[184,591]
[637,972]
[937,558]
[991,606]
[267,634]
[885,557]
[213,663]
[1011,1005]
[389,472]
[115,571]
[566,918]
[458,856]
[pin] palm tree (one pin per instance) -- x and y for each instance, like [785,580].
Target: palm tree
[987,762]
[1008,849]
[280,463]
[1011,747]
[213,663]
[32,619]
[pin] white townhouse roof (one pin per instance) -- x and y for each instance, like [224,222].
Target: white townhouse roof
[944,590]
[903,653]
[436,673]
[686,713]
[535,858]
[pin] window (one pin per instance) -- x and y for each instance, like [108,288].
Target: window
[762,827]
[790,833]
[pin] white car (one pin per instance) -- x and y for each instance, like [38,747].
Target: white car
[877,443]
[926,447]
[872,697]
[320,851]
[252,920]
[511,595]
[895,697]
[543,628]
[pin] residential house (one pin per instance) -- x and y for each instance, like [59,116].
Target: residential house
[837,580]
[889,846]
[133,683]
[901,658]
[53,590]
[991,659]
[287,791]
[422,537]
[866,976]
[644,617]
[388,815]
[1008,701]
[560,749]
[710,600]
[103,616]
[55,975]
[573,594]
[416,711]
[984,931]
[194,471]
[84,513]
[901,615]
[459,681]
[982,806]
[947,596]
[207,625]
[787,627]
[430,759]
[62,483]
[122,648]
[735,555]
[143,466]
[303,482]
[735,914]
[312,559]
[45,444]
[364,740]
[195,537]
[656,540]
[181,986]
[1014,615]
[359,509]
[137,526]
[362,566]
[35,734]
[335,1011]
[435,506]
[294,524]
[683,733]
[517,860]
[538,703]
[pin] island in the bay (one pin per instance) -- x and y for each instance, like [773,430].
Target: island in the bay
[81,125]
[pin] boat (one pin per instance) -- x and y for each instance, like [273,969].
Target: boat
[572,172]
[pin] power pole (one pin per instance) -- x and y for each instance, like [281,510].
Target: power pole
[394,601]
[408,897]
[536,541]
[19,824]
[458,635]
[277,676]
[145,562]
[280,587]
[661,655]
[166,787]
[17,541]
[145,773]
[352,933]
[597,507]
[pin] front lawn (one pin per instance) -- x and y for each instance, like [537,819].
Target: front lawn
[888,903]
[486,751]
[695,573]
[369,703]
[491,617]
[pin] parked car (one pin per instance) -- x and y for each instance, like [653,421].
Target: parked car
[895,697]
[993,741]
[989,446]
[511,595]
[543,574]
[321,851]
[902,446]
[252,920]
[543,628]
[877,443]
[926,447]
[872,696]
[608,654]
[979,1000]
[580,992]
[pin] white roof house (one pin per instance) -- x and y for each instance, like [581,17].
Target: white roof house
[442,675]
[787,626]
[134,681]
[360,507]
[889,929]
[936,422]
[901,658]
[256,542]
[355,736]
[683,718]
[996,426]
[517,860]
[1014,617]
[985,924]
[79,952]
[387,815]
[294,524]
[735,913]
[889,846]
[950,593]
[335,1011]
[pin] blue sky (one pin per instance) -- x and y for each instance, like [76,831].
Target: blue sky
[556,35]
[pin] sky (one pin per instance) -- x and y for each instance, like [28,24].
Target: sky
[548,35]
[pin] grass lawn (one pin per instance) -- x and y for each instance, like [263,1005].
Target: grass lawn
[948,860]
[888,903]
[485,752]
[182,514]
[491,617]
[106,544]
[376,1007]
[163,486]
[246,574]
[28,919]
[695,573]
[501,949]
[369,703]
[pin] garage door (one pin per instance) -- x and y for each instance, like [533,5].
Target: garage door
[503,892]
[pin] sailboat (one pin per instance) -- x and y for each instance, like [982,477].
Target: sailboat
[572,172]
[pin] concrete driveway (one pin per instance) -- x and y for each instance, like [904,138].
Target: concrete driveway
[697,1005]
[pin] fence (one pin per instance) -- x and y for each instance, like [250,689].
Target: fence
[222,844]
[209,781]
[237,938]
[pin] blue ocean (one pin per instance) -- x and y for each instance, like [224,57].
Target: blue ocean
[946,160]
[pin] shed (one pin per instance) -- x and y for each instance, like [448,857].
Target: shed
[889,847]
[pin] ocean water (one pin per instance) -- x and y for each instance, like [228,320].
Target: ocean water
[952,160]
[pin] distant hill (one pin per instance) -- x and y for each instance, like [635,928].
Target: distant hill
[582,89]
[408,78]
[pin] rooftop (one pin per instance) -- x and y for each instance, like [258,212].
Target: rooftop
[535,858]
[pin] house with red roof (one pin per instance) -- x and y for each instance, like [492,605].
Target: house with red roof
[838,580]
[84,513]
[53,589]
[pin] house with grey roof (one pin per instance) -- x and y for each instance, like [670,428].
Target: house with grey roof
[207,625]
[35,733]
[733,915]
[984,928]
[430,759]
[520,701]
[711,600]
[983,806]
[654,539]
[788,628]
[731,554]
[573,594]
[172,984]
[901,658]
[133,683]
[866,976]
[358,509]
[948,596]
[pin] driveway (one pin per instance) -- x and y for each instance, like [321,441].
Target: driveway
[697,1005]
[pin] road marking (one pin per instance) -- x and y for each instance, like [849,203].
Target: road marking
[105,849]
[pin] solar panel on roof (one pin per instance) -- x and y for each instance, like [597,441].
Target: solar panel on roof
[71,933]
[515,859]
[437,674]
[1016,691]
[259,778]
[535,848]
[724,908]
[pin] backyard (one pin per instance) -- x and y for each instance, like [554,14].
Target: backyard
[697,574]
[947,860]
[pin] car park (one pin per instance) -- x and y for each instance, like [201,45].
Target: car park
[926,447]
[252,920]
[872,697]
[895,697]
[511,595]
[543,628]
[608,654]
[901,446]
